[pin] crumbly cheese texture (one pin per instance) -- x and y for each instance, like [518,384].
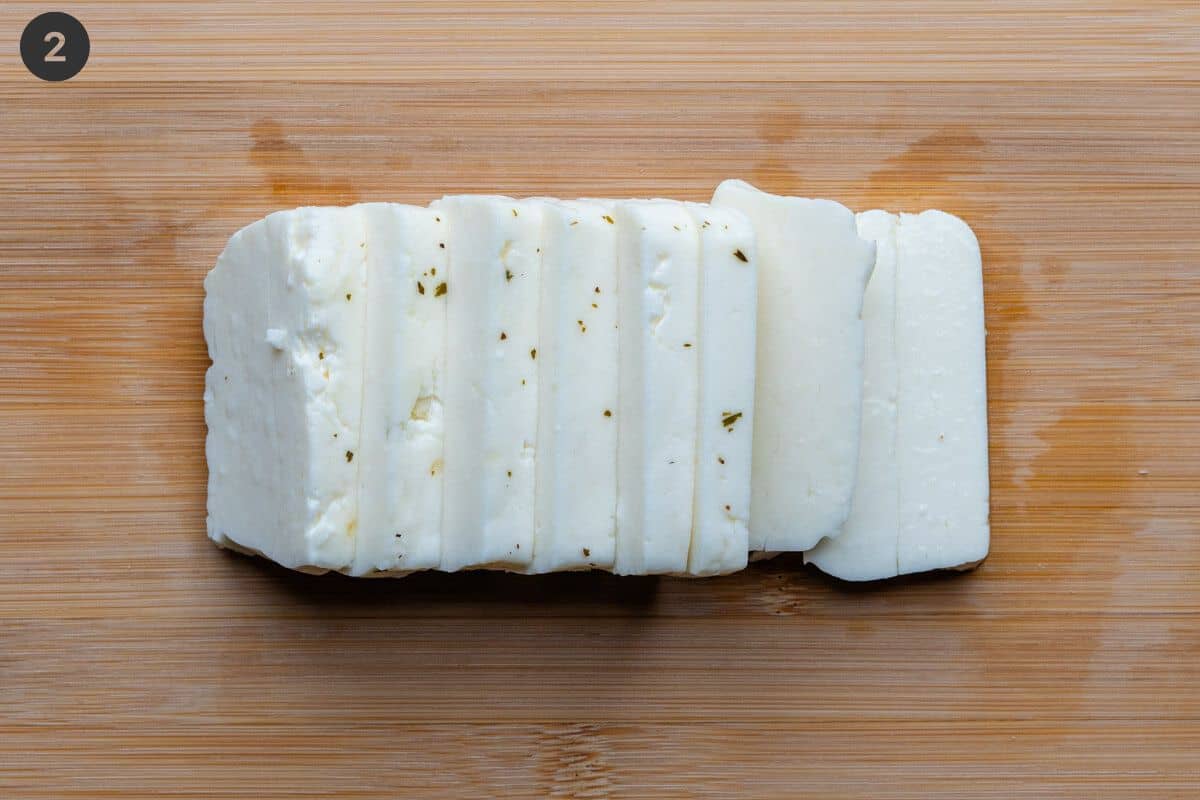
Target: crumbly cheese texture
[576,473]
[658,258]
[284,318]
[922,498]
[867,547]
[813,272]
[728,299]
[491,397]
[401,453]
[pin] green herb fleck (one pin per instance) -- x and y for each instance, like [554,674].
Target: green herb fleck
[740,256]
[609,219]
[729,418]
[420,288]
[440,290]
[533,353]
[508,276]
[349,456]
[608,412]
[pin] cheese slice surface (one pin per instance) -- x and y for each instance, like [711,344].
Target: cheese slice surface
[867,547]
[401,452]
[576,473]
[813,272]
[728,297]
[284,320]
[491,397]
[657,283]
[941,435]
[922,497]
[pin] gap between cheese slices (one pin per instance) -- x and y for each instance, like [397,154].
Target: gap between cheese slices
[813,272]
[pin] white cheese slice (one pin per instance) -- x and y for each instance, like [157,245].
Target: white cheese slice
[657,285]
[866,548]
[726,345]
[922,497]
[941,435]
[283,318]
[813,271]
[400,455]
[576,485]
[491,392]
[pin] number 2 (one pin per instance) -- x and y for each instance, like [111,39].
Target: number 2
[59,41]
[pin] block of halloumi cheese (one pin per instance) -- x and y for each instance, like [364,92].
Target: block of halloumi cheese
[932,452]
[284,321]
[813,271]
[400,454]
[490,402]
[658,253]
[728,297]
[576,473]
[866,548]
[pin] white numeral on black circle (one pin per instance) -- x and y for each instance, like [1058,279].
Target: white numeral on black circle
[59,40]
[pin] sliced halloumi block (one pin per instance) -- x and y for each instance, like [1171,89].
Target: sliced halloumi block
[284,321]
[728,297]
[490,402]
[922,499]
[866,548]
[576,483]
[813,271]
[400,455]
[657,285]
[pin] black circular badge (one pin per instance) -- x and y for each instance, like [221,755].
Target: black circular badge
[55,46]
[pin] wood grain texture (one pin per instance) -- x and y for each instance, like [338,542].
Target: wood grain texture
[769,40]
[137,660]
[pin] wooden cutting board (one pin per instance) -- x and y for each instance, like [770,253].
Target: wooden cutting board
[138,661]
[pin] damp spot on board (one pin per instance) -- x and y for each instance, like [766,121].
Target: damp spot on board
[293,177]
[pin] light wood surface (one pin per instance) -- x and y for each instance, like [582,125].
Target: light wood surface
[138,661]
